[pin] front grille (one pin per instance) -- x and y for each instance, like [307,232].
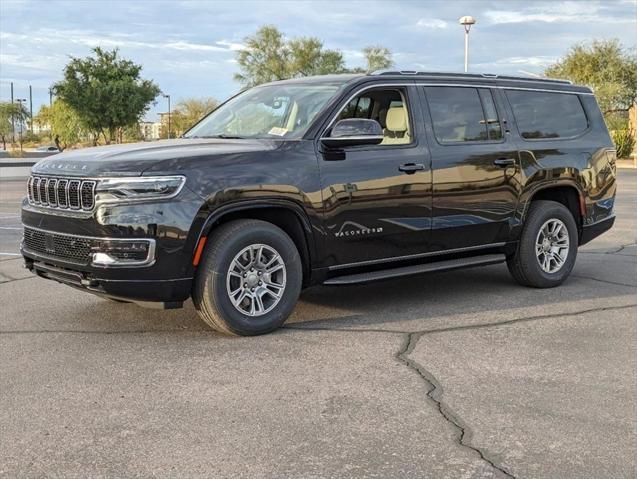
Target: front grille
[61,193]
[73,249]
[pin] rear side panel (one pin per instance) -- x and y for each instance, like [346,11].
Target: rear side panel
[585,163]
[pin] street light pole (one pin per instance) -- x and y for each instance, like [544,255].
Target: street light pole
[20,102]
[168,98]
[466,22]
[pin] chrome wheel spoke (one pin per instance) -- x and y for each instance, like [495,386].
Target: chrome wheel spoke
[275,268]
[256,280]
[552,245]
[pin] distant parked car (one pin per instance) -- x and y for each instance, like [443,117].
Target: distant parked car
[48,149]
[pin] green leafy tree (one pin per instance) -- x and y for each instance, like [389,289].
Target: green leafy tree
[265,57]
[188,112]
[132,133]
[307,57]
[269,56]
[106,92]
[378,58]
[11,114]
[606,67]
[64,123]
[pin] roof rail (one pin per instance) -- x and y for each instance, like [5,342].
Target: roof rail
[470,75]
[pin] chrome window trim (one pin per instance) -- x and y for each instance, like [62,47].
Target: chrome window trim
[404,84]
[149,261]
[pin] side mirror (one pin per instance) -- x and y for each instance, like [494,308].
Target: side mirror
[354,132]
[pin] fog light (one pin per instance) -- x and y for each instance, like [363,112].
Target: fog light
[123,253]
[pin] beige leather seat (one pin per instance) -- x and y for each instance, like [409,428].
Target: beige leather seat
[397,129]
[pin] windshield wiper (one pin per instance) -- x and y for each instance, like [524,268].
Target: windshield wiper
[224,137]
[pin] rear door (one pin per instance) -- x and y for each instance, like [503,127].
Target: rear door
[475,166]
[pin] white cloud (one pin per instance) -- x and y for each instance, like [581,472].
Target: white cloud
[555,12]
[182,45]
[433,23]
[231,45]
[539,61]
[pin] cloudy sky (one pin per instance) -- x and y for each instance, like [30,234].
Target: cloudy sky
[189,47]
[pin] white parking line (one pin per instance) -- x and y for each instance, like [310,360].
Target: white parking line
[9,228]
[10,254]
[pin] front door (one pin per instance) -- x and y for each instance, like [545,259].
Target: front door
[475,167]
[378,198]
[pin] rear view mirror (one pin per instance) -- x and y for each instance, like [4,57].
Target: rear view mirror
[354,132]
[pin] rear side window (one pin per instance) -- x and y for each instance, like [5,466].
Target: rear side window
[547,115]
[463,114]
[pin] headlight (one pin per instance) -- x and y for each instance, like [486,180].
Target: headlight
[112,190]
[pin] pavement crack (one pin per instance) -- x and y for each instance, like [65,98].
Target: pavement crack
[88,331]
[604,280]
[13,280]
[619,249]
[524,319]
[346,330]
[506,322]
[434,394]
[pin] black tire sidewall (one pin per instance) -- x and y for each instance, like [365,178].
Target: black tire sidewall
[236,321]
[543,212]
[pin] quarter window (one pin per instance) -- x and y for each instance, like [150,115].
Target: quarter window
[462,114]
[547,114]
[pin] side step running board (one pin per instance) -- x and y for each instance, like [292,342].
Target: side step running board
[446,265]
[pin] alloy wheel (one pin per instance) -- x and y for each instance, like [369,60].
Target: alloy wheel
[256,280]
[552,245]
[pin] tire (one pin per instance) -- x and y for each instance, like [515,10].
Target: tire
[233,246]
[528,265]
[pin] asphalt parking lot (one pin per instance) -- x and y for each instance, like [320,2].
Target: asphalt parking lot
[456,375]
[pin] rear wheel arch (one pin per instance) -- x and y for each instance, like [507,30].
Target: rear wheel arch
[566,194]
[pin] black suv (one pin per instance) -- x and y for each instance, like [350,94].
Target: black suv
[329,180]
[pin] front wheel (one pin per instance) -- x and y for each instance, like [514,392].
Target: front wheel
[249,280]
[547,248]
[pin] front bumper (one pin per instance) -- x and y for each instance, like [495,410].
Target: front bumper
[592,231]
[169,229]
[167,294]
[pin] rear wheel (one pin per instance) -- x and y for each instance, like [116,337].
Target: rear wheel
[547,248]
[249,280]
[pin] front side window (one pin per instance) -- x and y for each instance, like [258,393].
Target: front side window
[273,111]
[463,114]
[386,106]
[547,114]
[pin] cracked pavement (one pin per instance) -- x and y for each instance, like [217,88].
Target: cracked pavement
[457,375]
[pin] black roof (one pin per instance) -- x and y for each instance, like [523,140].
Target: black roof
[442,77]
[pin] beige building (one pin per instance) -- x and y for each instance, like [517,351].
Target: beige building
[150,130]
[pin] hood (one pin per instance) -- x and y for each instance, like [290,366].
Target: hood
[132,159]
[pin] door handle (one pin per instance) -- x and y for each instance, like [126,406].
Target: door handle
[504,162]
[411,168]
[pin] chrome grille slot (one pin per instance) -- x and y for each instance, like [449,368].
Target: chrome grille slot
[62,200]
[30,189]
[42,191]
[87,194]
[74,194]
[35,185]
[61,193]
[50,190]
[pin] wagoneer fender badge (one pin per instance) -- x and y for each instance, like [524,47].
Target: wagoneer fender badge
[349,228]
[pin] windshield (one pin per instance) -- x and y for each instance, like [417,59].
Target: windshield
[274,111]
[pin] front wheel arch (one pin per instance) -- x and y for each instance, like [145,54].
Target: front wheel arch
[287,215]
